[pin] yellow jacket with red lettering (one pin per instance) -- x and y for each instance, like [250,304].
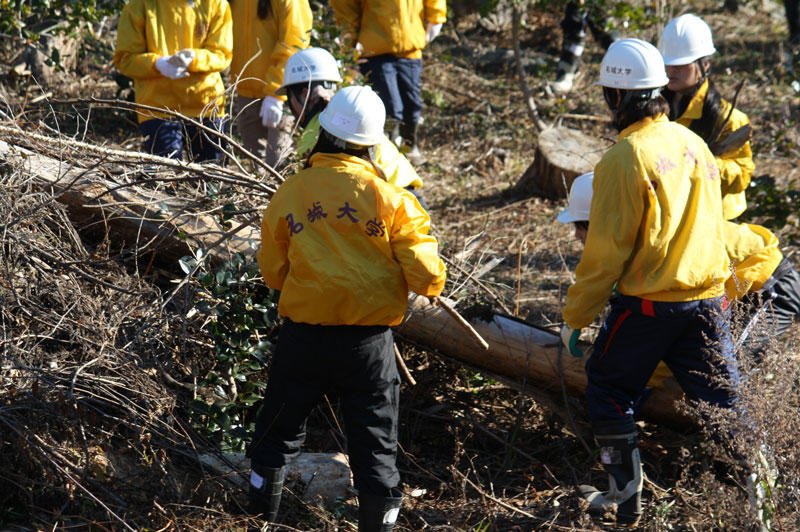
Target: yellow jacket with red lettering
[149,29]
[397,169]
[285,29]
[389,26]
[736,167]
[344,246]
[754,254]
[655,224]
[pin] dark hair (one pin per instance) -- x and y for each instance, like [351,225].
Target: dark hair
[582,224]
[630,106]
[327,143]
[264,9]
[712,105]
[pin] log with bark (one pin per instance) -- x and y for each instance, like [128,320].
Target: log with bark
[518,350]
[562,154]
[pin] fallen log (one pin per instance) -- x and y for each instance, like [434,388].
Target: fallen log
[517,349]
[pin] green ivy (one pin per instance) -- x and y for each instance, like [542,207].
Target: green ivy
[241,315]
[26,19]
[769,204]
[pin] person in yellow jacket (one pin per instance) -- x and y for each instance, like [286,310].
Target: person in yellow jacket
[391,35]
[343,246]
[310,79]
[265,34]
[174,51]
[687,46]
[655,230]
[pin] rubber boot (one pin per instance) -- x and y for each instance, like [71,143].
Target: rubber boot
[267,499]
[619,454]
[410,134]
[393,131]
[377,514]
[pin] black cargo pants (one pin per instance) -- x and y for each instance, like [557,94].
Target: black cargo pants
[358,364]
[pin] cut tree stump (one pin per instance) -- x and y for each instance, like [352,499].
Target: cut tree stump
[562,155]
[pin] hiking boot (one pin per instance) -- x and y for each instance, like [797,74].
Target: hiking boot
[410,134]
[619,454]
[266,499]
[378,514]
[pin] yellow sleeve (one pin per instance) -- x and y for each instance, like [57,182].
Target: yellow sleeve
[347,14]
[294,20]
[436,11]
[273,257]
[395,165]
[217,50]
[736,167]
[131,56]
[415,250]
[614,221]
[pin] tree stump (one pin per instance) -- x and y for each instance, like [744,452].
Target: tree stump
[562,155]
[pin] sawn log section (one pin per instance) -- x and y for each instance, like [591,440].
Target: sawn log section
[517,350]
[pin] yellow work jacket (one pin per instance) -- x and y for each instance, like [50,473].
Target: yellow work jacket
[395,166]
[754,254]
[735,167]
[149,29]
[655,224]
[280,34]
[388,26]
[344,247]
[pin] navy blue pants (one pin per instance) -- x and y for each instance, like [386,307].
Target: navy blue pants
[693,338]
[397,81]
[355,362]
[168,138]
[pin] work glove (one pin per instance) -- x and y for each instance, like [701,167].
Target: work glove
[271,111]
[569,337]
[171,67]
[184,58]
[432,31]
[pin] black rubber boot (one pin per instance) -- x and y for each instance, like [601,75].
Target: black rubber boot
[619,454]
[267,499]
[410,134]
[377,514]
[393,131]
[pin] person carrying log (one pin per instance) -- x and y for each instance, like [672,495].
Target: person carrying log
[391,35]
[343,246]
[265,34]
[175,51]
[687,47]
[656,231]
[310,79]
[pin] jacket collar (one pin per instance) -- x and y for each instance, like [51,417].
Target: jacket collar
[343,161]
[636,126]
[695,108]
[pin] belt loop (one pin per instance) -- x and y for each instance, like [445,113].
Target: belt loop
[647,308]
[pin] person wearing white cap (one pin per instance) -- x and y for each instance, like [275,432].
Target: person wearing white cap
[310,79]
[686,46]
[343,246]
[580,201]
[655,231]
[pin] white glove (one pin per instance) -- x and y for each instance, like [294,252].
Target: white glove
[271,111]
[432,31]
[183,58]
[569,337]
[166,65]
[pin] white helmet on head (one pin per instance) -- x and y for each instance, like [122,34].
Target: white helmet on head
[685,40]
[355,114]
[310,64]
[632,64]
[580,200]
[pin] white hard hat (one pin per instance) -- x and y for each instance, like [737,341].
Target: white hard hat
[580,200]
[632,64]
[685,40]
[310,64]
[355,114]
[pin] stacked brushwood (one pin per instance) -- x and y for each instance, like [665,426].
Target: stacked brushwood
[97,360]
